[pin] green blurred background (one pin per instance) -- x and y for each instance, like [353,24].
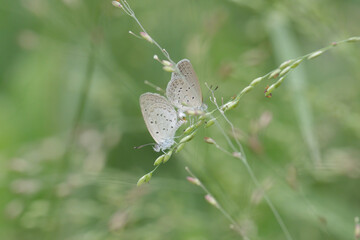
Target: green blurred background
[70,80]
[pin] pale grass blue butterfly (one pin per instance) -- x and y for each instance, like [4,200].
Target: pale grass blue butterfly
[160,118]
[183,90]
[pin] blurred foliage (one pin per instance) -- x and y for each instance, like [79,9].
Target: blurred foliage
[70,80]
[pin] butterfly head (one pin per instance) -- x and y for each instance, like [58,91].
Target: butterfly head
[166,144]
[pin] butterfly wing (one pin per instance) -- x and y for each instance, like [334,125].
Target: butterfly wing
[183,90]
[159,115]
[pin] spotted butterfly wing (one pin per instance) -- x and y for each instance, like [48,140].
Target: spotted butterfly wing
[183,90]
[160,118]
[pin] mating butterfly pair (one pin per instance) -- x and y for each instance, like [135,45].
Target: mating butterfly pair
[161,119]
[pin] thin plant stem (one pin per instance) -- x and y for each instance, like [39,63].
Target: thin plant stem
[226,136]
[284,43]
[157,88]
[221,148]
[243,158]
[218,205]
[131,13]
[267,199]
[213,100]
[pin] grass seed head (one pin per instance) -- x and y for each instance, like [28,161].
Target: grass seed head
[275,73]
[210,199]
[144,179]
[147,37]
[116,4]
[229,105]
[167,156]
[256,81]
[209,140]
[354,39]
[159,160]
[286,64]
[193,180]
[168,69]
[315,54]
[296,63]
[189,129]
[210,122]
[188,137]
[180,147]
[285,71]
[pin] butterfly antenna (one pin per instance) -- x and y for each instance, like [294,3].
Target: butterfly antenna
[157,88]
[144,145]
[210,88]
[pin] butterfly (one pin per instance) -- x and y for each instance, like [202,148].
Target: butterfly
[160,118]
[183,90]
